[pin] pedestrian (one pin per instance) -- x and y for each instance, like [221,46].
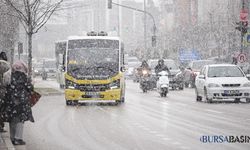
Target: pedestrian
[19,107]
[4,68]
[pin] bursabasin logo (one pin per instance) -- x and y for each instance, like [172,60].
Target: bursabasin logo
[224,139]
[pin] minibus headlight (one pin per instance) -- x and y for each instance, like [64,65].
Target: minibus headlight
[70,85]
[115,84]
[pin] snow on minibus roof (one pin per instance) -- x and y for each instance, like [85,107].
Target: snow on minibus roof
[93,37]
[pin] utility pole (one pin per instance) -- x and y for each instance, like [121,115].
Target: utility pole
[242,33]
[145,27]
[145,13]
[118,19]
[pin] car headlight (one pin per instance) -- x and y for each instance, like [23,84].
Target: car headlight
[246,84]
[115,84]
[36,71]
[212,85]
[70,85]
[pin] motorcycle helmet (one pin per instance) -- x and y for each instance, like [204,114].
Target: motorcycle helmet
[161,61]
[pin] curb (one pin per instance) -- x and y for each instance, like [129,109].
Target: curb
[45,91]
[51,94]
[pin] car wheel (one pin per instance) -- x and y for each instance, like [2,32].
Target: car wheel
[198,98]
[122,100]
[209,100]
[68,102]
[165,94]
[181,87]
[162,94]
[248,100]
[237,100]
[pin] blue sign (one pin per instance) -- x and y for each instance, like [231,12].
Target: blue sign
[248,38]
[188,55]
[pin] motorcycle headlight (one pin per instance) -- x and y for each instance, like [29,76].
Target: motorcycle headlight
[212,85]
[70,85]
[246,84]
[144,72]
[115,84]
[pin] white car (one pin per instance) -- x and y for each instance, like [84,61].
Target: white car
[222,81]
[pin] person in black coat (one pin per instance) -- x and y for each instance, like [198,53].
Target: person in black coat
[19,107]
[4,68]
[161,67]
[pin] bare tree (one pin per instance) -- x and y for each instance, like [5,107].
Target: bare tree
[33,14]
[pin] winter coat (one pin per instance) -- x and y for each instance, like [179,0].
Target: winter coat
[4,68]
[159,68]
[18,95]
[187,75]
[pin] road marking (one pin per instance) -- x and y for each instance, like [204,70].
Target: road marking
[135,124]
[152,132]
[213,111]
[160,135]
[177,143]
[181,104]
[184,147]
[166,139]
[145,128]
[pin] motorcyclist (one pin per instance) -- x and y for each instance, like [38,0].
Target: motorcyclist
[144,71]
[161,67]
[144,66]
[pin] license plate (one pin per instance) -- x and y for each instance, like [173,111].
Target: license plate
[231,92]
[93,93]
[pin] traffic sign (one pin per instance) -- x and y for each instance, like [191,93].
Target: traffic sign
[247,39]
[188,55]
[243,15]
[242,58]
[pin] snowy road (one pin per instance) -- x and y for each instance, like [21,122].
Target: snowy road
[144,122]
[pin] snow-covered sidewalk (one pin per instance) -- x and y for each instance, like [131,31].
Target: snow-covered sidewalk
[47,87]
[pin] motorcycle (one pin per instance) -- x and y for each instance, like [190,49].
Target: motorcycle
[145,81]
[163,83]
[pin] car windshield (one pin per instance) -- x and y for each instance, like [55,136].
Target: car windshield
[132,59]
[197,65]
[134,64]
[50,64]
[169,63]
[38,65]
[224,71]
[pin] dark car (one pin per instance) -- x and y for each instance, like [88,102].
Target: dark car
[37,69]
[172,66]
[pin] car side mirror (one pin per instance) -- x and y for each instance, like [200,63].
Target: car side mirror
[62,68]
[201,77]
[248,76]
[123,69]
